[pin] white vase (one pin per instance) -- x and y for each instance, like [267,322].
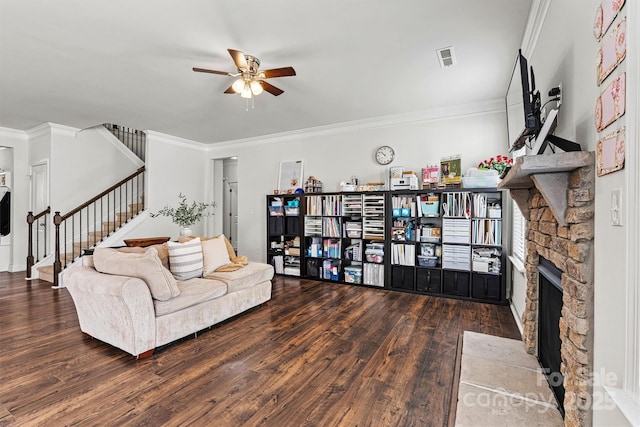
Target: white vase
[186,231]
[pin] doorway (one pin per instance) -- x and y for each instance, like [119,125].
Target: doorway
[230,200]
[39,202]
[6,218]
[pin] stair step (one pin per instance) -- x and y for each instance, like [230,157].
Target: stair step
[46,273]
[121,219]
[135,208]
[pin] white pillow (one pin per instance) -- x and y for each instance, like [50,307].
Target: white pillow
[215,254]
[185,259]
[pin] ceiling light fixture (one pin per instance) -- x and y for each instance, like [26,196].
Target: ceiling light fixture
[250,82]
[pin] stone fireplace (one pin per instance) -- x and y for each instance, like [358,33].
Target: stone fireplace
[556,196]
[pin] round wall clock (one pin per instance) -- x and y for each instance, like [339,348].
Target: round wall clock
[385,155]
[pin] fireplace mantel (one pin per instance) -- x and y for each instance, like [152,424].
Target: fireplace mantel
[549,173]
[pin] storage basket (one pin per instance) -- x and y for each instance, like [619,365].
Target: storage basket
[427,261]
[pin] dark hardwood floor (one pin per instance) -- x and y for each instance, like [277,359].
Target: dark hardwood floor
[317,354]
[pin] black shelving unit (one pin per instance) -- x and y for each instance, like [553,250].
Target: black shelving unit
[284,249]
[439,242]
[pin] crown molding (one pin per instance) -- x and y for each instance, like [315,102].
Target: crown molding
[13,133]
[535,22]
[175,140]
[62,129]
[51,128]
[435,114]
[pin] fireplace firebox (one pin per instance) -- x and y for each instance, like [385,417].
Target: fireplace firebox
[549,313]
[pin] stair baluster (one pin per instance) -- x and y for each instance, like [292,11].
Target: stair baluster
[68,220]
[135,140]
[39,249]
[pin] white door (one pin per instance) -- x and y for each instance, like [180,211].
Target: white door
[39,202]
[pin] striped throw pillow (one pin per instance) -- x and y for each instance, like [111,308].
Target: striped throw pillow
[185,259]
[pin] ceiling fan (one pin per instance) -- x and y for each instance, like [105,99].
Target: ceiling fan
[251,81]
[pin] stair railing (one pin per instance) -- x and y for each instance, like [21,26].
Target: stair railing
[41,248]
[135,140]
[92,219]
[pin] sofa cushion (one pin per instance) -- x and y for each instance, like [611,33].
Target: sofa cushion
[185,259]
[214,254]
[192,292]
[162,248]
[146,266]
[252,274]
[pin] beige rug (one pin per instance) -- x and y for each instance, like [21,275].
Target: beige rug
[501,385]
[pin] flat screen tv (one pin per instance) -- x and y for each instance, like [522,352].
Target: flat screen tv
[522,104]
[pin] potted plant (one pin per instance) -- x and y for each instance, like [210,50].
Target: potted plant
[185,214]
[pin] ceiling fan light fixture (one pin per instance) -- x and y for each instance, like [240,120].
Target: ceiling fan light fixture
[238,85]
[250,81]
[256,87]
[246,91]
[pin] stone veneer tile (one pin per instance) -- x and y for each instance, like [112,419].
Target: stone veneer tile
[504,350]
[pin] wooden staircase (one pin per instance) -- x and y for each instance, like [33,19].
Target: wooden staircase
[45,272]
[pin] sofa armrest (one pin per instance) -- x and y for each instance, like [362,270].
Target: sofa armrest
[115,309]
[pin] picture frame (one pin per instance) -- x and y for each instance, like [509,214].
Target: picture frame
[451,170]
[290,176]
[613,50]
[611,104]
[610,153]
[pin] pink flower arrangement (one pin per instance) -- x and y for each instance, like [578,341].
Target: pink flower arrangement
[498,163]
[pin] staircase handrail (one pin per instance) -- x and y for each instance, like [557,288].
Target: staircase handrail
[59,219]
[101,195]
[31,218]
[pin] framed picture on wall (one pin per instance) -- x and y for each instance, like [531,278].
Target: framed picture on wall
[290,176]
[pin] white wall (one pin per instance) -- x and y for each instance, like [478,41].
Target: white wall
[565,53]
[335,154]
[174,166]
[84,164]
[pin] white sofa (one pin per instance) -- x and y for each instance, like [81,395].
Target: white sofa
[120,309]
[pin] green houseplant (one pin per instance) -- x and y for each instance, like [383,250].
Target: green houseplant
[186,214]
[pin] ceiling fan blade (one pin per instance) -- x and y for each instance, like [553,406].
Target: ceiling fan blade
[204,70]
[239,59]
[277,72]
[270,88]
[230,90]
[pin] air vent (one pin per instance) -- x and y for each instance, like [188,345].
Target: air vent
[446,57]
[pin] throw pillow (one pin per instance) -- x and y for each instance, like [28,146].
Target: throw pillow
[185,259]
[215,254]
[146,266]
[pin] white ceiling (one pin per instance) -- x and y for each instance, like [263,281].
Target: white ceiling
[81,63]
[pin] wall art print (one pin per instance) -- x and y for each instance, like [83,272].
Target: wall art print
[611,103]
[612,51]
[605,14]
[290,176]
[610,153]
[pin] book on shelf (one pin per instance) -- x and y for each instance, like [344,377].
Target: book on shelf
[331,227]
[487,231]
[456,204]
[373,274]
[402,254]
